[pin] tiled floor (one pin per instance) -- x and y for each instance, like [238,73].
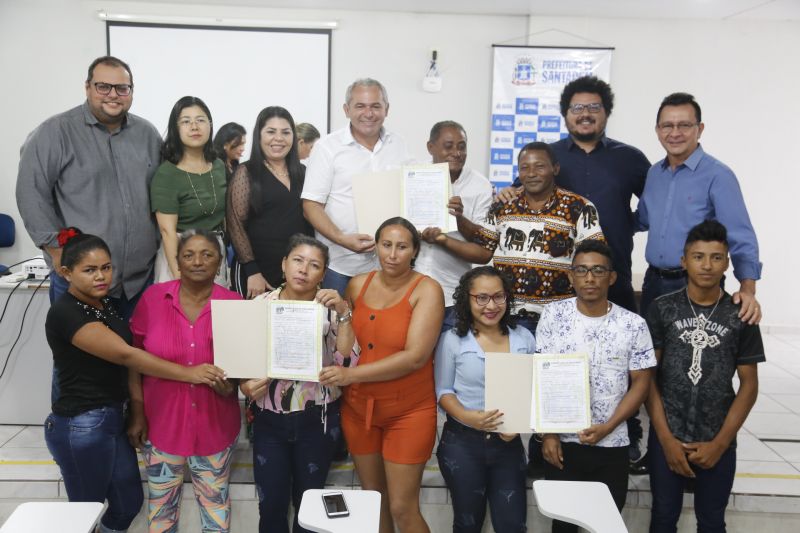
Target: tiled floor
[767,478]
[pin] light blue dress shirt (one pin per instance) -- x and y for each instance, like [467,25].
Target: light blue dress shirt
[460,365]
[675,201]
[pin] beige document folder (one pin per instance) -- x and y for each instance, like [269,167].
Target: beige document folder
[240,341]
[508,384]
[376,196]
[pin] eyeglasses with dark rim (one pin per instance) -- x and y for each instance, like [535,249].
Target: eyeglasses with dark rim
[482,300]
[593,108]
[598,271]
[683,127]
[122,89]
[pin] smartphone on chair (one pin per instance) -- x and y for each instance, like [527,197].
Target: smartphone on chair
[335,506]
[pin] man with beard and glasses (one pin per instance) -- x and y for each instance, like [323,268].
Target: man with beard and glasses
[609,173]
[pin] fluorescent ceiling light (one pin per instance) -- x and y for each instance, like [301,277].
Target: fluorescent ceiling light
[218,21]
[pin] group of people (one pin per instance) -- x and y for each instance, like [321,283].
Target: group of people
[409,321]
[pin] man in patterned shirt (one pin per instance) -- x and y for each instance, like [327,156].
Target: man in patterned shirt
[620,354]
[700,343]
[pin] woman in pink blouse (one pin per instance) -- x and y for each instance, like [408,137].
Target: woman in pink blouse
[296,425]
[178,423]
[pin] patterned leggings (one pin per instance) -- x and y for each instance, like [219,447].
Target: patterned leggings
[210,477]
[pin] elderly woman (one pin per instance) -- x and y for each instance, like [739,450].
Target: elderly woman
[296,423]
[190,424]
[264,206]
[85,433]
[188,189]
[389,408]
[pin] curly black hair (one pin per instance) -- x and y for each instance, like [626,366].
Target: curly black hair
[461,297]
[587,84]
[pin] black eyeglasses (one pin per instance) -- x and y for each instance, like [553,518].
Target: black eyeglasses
[577,109]
[683,127]
[483,299]
[598,271]
[122,89]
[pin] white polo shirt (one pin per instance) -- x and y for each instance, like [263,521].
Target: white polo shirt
[334,161]
[476,195]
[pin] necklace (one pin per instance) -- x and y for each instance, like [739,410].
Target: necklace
[284,174]
[699,339]
[213,191]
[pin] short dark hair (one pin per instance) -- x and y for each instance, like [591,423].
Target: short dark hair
[587,84]
[172,148]
[300,239]
[594,246]
[208,235]
[78,246]
[227,133]
[400,221]
[542,147]
[307,132]
[437,128]
[110,61]
[461,299]
[680,99]
[707,231]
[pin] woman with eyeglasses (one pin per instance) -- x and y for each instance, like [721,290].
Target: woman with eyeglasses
[188,189]
[264,206]
[478,464]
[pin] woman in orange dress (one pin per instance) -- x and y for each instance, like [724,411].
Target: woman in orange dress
[389,408]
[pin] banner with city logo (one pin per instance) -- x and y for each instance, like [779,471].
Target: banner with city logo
[526,90]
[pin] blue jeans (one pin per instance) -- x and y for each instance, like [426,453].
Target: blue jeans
[97,462]
[334,280]
[480,466]
[123,305]
[291,454]
[655,286]
[449,319]
[712,488]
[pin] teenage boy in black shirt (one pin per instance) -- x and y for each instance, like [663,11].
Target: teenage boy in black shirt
[700,342]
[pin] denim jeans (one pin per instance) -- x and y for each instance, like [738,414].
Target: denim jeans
[654,286]
[480,467]
[449,321]
[291,454]
[97,462]
[334,280]
[591,463]
[712,489]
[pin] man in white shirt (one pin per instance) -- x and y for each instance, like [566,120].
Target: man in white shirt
[620,354]
[472,197]
[362,146]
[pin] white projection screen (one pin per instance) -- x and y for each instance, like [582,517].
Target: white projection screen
[235,71]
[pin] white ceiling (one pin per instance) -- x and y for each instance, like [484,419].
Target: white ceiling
[788,10]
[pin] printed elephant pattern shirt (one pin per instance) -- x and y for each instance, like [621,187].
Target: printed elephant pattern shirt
[535,247]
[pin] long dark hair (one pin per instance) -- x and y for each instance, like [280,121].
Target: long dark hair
[172,149]
[461,299]
[255,165]
[78,244]
[227,133]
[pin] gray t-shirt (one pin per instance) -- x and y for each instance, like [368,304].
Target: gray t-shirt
[696,400]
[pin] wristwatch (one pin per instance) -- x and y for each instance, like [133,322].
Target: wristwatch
[341,319]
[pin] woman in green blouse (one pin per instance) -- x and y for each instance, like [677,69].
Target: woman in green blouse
[188,189]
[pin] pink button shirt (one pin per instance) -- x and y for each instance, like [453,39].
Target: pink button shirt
[183,419]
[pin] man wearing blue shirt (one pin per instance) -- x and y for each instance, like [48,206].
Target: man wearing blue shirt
[682,190]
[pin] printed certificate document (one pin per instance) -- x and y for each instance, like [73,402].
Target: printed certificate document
[280,339]
[425,192]
[376,197]
[294,339]
[560,399]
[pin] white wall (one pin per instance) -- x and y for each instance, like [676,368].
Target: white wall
[48,44]
[745,75]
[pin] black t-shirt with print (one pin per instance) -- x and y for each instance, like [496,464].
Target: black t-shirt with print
[85,381]
[696,401]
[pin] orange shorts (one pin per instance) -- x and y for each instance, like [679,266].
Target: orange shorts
[401,428]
